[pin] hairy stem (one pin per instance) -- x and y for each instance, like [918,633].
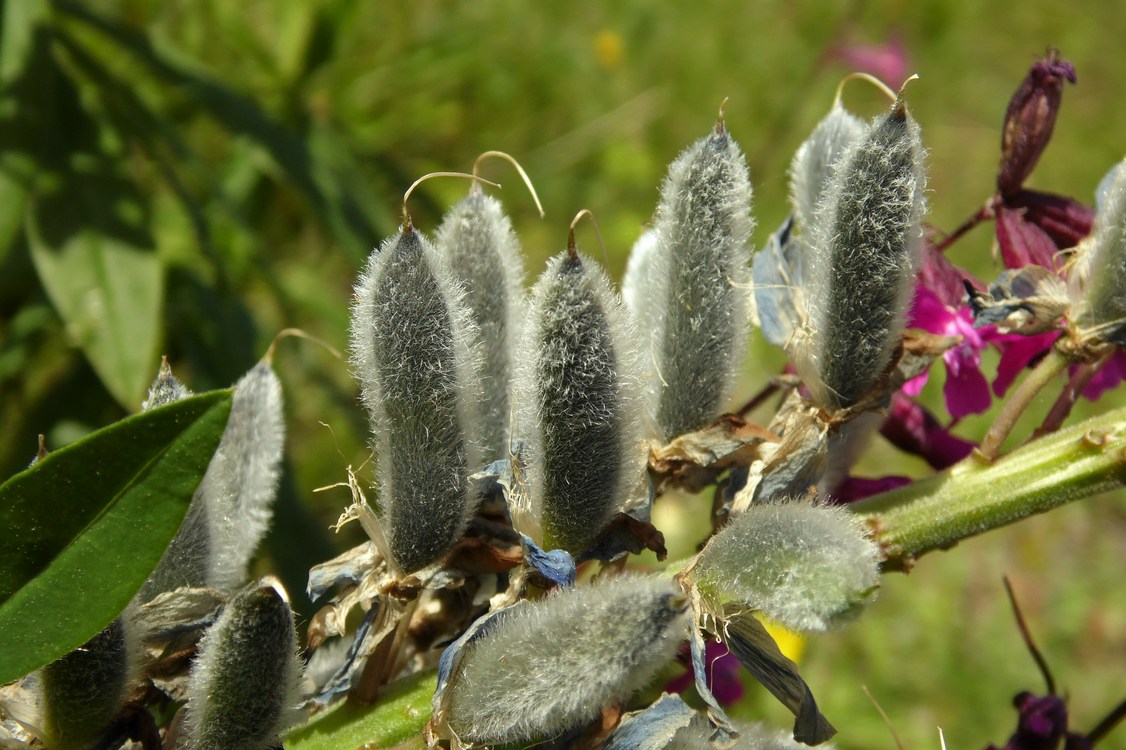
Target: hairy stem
[976,495]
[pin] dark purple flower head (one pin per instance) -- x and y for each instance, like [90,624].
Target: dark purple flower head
[1031,118]
[1042,725]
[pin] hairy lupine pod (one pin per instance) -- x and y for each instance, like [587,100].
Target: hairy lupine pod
[816,159]
[413,350]
[864,249]
[84,690]
[700,306]
[165,389]
[756,736]
[233,505]
[1101,309]
[636,292]
[551,665]
[477,241]
[805,566]
[244,684]
[580,405]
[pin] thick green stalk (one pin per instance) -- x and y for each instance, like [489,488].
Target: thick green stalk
[974,495]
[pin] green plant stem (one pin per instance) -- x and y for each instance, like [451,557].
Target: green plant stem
[1035,382]
[976,495]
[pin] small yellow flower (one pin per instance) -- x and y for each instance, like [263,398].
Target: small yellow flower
[608,49]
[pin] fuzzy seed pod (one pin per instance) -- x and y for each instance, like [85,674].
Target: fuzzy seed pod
[84,690]
[864,252]
[1101,309]
[757,736]
[232,507]
[551,665]
[413,350]
[815,161]
[478,243]
[580,406]
[806,567]
[700,305]
[244,684]
[638,276]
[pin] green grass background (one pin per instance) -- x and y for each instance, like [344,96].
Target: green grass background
[594,99]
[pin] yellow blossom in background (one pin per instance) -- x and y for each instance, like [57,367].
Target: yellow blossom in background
[609,48]
[791,644]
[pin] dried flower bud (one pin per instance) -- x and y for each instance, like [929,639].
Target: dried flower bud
[1101,310]
[165,389]
[1030,119]
[580,405]
[700,306]
[244,684]
[482,251]
[545,667]
[233,505]
[413,350]
[84,690]
[806,567]
[861,271]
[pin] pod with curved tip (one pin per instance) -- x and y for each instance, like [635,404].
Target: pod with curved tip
[579,405]
[483,253]
[413,350]
[864,252]
[244,684]
[84,690]
[700,307]
[548,666]
[1101,308]
[165,389]
[806,567]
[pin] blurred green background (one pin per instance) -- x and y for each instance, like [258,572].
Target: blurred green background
[190,177]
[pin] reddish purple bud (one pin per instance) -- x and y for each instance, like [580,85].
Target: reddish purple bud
[911,428]
[1042,724]
[1063,219]
[1023,243]
[1030,119]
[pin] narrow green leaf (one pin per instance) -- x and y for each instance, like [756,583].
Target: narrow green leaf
[85,526]
[400,714]
[107,286]
[19,21]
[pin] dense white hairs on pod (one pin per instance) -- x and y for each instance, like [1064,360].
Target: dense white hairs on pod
[478,243]
[1102,306]
[864,252]
[244,685]
[815,161]
[83,691]
[579,397]
[805,566]
[551,665]
[414,352]
[165,389]
[637,281]
[757,736]
[700,309]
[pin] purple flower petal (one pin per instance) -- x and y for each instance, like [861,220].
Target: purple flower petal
[722,678]
[858,488]
[1111,374]
[913,429]
[1017,354]
[966,389]
[1021,242]
[929,313]
[1064,220]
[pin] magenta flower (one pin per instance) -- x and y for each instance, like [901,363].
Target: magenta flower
[722,677]
[887,61]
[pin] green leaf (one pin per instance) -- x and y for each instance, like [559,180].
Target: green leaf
[400,714]
[19,22]
[84,527]
[104,280]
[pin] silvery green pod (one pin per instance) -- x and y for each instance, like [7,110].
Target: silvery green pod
[83,691]
[805,566]
[413,351]
[699,311]
[233,505]
[815,162]
[1101,309]
[863,255]
[478,243]
[545,667]
[244,685]
[580,405]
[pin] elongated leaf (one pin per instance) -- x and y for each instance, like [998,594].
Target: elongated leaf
[107,286]
[85,526]
[400,714]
